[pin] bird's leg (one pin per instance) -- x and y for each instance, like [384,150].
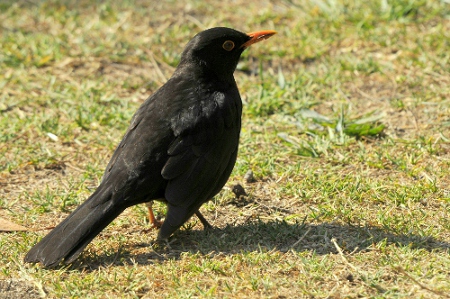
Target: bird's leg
[151,216]
[202,219]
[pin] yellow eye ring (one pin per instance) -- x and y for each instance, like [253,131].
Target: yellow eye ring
[228,45]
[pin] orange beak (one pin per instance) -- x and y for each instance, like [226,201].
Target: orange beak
[257,37]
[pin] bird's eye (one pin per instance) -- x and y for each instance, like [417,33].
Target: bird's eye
[228,45]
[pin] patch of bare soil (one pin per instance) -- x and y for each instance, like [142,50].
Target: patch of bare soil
[18,289]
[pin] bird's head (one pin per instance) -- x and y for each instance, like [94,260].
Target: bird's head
[218,49]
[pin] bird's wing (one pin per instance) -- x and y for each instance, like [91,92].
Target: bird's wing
[204,150]
[134,170]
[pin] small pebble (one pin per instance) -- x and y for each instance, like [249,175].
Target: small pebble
[248,177]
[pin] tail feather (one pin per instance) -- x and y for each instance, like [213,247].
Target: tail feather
[72,235]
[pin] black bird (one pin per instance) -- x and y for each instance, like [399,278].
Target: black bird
[180,147]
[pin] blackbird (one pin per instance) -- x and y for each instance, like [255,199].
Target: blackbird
[180,147]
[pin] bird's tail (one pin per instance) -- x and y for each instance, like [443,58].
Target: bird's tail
[72,235]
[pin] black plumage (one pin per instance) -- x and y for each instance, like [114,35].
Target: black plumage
[180,147]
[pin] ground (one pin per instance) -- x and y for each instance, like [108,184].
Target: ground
[345,130]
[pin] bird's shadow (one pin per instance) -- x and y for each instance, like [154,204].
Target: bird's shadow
[262,236]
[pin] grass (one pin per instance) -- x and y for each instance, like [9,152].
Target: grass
[346,121]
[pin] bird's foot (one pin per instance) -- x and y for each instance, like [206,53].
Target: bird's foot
[203,220]
[154,223]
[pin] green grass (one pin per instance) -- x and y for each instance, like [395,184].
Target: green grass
[346,129]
